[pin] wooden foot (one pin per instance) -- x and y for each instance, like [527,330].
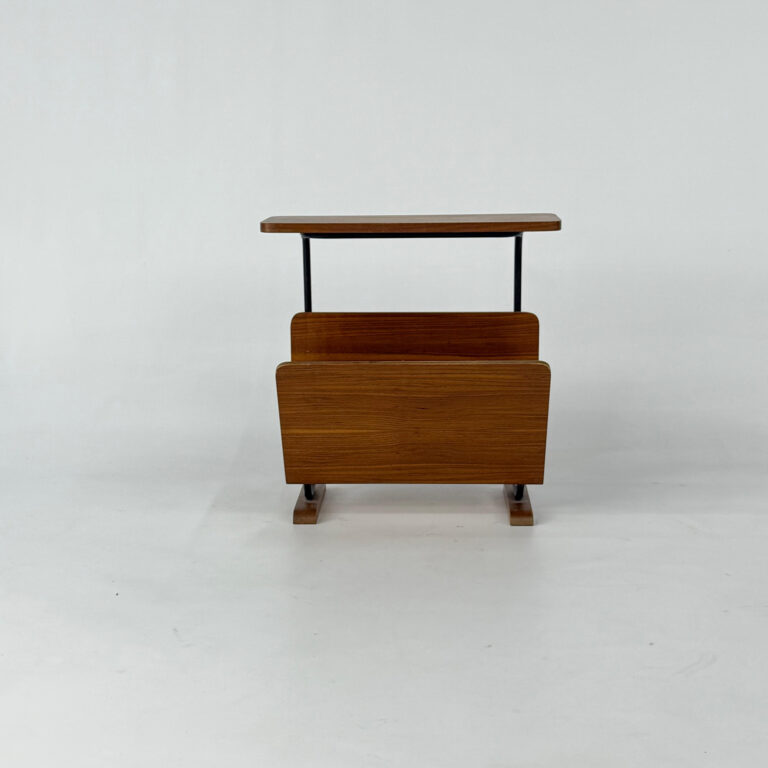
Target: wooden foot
[305,512]
[520,512]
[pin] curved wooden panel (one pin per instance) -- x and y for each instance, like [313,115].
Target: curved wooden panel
[414,336]
[414,422]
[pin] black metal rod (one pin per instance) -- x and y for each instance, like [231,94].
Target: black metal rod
[519,489]
[518,272]
[375,235]
[307,274]
[309,489]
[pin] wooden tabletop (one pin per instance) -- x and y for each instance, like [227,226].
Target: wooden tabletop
[470,223]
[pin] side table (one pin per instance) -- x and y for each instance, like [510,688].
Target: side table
[414,397]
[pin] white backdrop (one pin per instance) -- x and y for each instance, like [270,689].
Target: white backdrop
[142,313]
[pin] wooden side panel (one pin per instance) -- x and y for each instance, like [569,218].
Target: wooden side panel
[414,422]
[414,336]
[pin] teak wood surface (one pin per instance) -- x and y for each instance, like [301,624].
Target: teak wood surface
[307,510]
[520,512]
[457,224]
[414,422]
[414,336]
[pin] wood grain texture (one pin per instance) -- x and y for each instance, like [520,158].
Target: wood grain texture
[414,422]
[414,336]
[520,512]
[305,512]
[347,225]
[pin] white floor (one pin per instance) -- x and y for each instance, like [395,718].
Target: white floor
[149,624]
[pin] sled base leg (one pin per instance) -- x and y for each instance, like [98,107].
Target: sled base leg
[520,511]
[306,510]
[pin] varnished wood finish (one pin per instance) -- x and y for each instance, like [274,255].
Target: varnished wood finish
[305,512]
[457,224]
[520,512]
[414,336]
[414,422]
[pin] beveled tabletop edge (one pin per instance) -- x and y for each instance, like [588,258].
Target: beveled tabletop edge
[457,223]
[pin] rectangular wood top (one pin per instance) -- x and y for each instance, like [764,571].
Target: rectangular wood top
[457,224]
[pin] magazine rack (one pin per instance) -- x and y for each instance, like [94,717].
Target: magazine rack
[413,397]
